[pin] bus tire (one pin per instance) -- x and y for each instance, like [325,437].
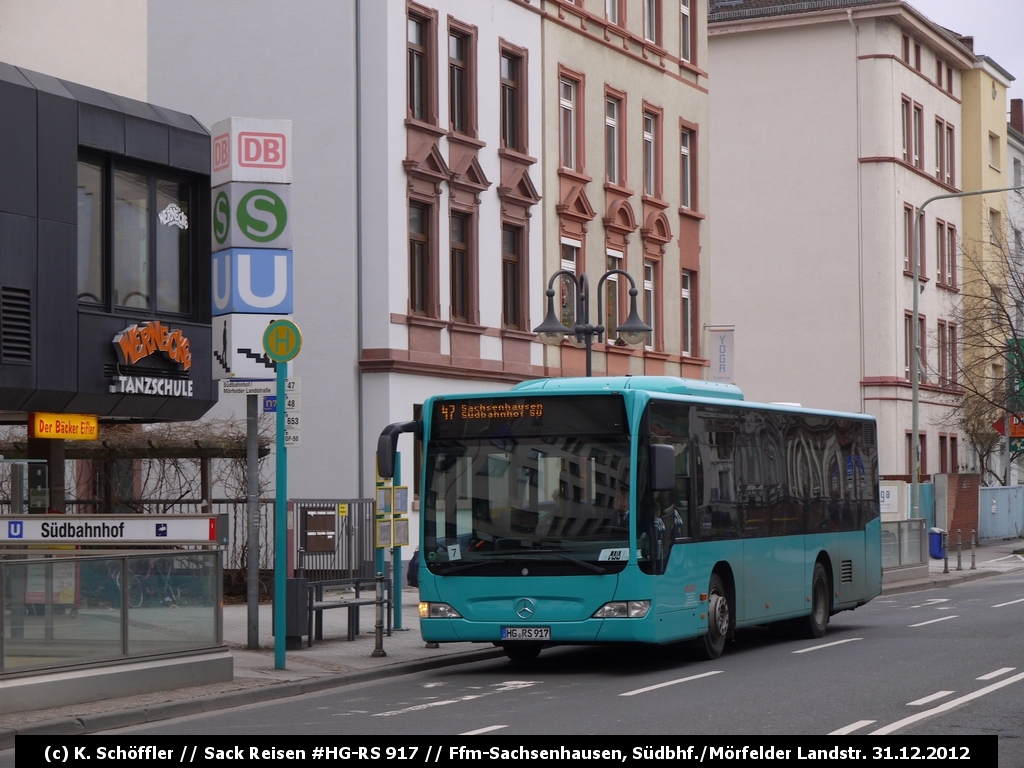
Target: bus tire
[818,620]
[522,653]
[719,618]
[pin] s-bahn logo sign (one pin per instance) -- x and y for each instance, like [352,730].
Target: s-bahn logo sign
[138,342]
[251,216]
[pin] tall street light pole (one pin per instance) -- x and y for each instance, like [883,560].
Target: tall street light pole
[915,358]
[552,330]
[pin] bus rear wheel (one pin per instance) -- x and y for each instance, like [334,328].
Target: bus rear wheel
[521,653]
[713,643]
[818,620]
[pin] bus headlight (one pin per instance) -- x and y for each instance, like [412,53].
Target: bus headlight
[438,611]
[622,609]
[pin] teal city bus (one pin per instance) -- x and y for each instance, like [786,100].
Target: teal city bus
[638,509]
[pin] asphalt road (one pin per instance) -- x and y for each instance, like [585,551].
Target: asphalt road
[941,662]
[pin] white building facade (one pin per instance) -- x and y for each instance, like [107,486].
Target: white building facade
[831,127]
[416,130]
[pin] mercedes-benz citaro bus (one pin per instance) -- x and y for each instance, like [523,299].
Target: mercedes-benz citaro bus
[638,509]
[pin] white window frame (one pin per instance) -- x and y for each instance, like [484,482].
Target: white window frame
[567,126]
[650,185]
[612,140]
[571,266]
[685,52]
[650,302]
[686,188]
[651,21]
[686,311]
[611,11]
[614,260]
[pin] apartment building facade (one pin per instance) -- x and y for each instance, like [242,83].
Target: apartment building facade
[821,162]
[625,178]
[417,234]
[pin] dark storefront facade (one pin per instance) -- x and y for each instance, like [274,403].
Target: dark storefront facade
[104,258]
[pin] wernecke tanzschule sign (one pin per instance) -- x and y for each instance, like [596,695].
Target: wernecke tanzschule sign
[138,342]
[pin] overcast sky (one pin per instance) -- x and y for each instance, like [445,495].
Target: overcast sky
[997,27]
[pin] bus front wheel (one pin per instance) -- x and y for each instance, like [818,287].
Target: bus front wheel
[718,618]
[818,620]
[522,652]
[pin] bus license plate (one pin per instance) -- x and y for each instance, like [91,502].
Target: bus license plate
[526,633]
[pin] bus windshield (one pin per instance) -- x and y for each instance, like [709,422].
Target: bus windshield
[540,484]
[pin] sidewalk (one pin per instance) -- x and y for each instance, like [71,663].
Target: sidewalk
[336,662]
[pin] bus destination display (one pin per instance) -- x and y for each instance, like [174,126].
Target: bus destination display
[528,417]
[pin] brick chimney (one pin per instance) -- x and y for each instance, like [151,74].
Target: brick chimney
[1017,115]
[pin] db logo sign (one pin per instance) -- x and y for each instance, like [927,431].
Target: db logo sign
[261,150]
[221,152]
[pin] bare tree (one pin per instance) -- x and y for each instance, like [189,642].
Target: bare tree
[988,314]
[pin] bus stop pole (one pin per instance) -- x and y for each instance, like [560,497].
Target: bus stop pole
[280,523]
[396,554]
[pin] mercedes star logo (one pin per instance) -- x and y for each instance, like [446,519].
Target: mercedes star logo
[525,608]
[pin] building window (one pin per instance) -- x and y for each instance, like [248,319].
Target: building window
[940,251]
[943,350]
[1017,176]
[612,139]
[918,135]
[908,242]
[993,150]
[567,123]
[92,275]
[950,156]
[949,89]
[685,30]
[940,154]
[611,296]
[917,56]
[650,135]
[153,237]
[611,11]
[419,39]
[907,140]
[685,177]
[906,49]
[458,82]
[686,311]
[511,276]
[419,258]
[938,72]
[951,256]
[651,25]
[511,102]
[567,287]
[994,226]
[459,248]
[908,346]
[650,305]
[954,455]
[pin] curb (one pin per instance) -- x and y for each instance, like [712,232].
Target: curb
[229,700]
[947,580]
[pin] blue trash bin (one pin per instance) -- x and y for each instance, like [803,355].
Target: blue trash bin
[935,548]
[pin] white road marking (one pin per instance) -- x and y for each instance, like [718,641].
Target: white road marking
[893,727]
[929,699]
[1007,557]
[997,673]
[851,727]
[1012,602]
[670,682]
[933,621]
[488,729]
[828,645]
[931,601]
[508,685]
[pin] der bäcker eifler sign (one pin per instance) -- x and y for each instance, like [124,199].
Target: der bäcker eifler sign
[108,529]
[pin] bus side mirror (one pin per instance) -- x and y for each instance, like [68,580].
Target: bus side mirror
[663,467]
[387,445]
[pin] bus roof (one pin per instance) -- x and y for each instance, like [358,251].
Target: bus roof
[671,385]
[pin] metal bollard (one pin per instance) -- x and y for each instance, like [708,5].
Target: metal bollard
[959,550]
[974,541]
[945,552]
[378,627]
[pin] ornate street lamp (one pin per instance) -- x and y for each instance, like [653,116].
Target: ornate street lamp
[552,330]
